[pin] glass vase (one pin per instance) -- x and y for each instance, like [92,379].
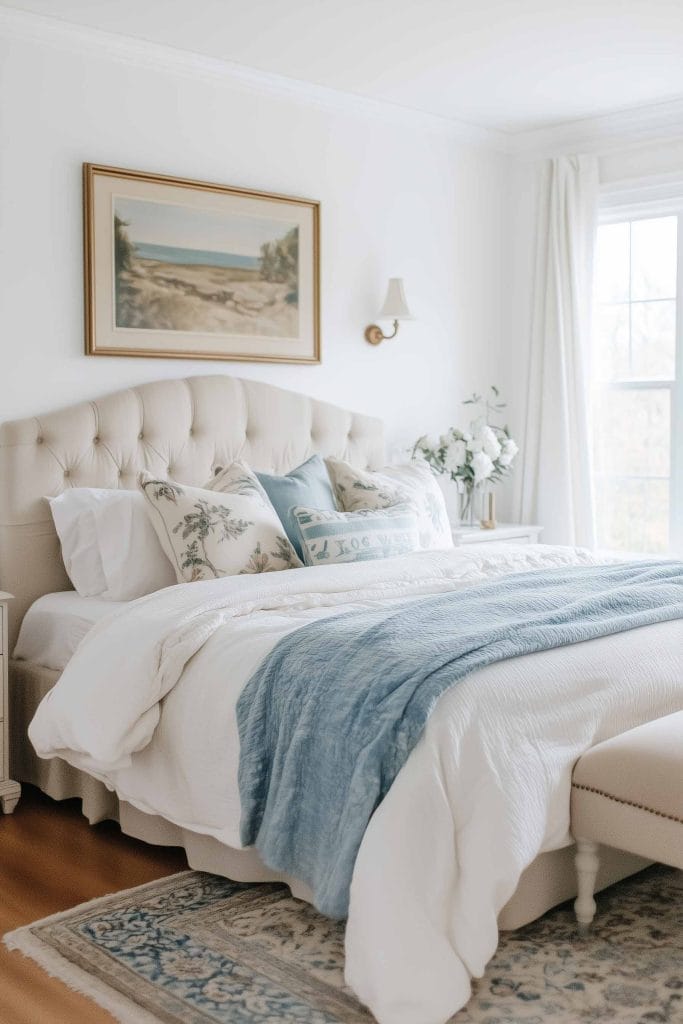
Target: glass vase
[468,502]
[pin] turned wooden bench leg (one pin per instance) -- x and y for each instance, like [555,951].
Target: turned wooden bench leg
[587,863]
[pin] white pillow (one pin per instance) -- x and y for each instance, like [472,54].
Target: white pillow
[109,547]
[73,513]
[413,483]
[227,530]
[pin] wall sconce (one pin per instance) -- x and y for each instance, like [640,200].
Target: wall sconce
[395,308]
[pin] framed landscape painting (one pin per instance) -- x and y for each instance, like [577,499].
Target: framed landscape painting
[186,269]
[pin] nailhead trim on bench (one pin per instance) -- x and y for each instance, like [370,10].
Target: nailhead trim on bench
[627,803]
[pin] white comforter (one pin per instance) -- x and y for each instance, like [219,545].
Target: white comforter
[148,705]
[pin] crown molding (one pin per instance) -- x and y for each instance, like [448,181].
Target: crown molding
[645,125]
[623,129]
[82,39]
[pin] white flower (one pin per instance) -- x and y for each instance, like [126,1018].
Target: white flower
[456,455]
[508,453]
[482,466]
[490,443]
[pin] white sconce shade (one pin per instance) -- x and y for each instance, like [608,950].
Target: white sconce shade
[395,305]
[395,308]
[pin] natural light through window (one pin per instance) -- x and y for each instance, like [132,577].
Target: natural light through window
[634,385]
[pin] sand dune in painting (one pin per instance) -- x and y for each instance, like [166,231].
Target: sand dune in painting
[154,295]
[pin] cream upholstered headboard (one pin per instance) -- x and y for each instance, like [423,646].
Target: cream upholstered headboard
[183,428]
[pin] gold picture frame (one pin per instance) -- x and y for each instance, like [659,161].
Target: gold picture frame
[183,269]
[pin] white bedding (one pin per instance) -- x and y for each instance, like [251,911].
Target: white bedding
[55,624]
[147,704]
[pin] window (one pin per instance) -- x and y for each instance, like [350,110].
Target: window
[637,370]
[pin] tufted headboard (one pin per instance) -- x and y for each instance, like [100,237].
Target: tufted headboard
[183,428]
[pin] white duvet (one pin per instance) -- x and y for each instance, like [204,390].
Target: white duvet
[147,704]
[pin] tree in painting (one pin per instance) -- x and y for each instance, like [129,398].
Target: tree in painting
[124,254]
[280,263]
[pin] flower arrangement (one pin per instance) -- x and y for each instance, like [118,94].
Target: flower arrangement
[471,458]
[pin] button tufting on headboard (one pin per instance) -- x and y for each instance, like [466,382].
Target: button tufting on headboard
[191,425]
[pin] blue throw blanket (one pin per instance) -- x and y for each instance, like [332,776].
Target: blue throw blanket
[331,715]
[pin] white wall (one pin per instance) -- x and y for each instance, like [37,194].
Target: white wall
[397,199]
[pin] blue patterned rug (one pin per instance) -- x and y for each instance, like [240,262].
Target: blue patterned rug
[198,949]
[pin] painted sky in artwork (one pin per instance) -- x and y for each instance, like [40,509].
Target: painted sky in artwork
[194,228]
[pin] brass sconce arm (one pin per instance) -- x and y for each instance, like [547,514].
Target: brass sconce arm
[375,334]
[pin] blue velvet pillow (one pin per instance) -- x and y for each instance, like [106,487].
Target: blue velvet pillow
[307,485]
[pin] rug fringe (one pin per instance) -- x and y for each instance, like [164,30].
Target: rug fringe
[124,1010]
[77,980]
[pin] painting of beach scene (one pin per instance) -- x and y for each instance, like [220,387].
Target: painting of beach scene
[198,270]
[184,269]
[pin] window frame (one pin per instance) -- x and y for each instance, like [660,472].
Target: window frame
[626,207]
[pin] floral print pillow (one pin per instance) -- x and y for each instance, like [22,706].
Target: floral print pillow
[226,529]
[413,484]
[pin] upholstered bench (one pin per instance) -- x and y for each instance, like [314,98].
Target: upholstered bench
[628,793]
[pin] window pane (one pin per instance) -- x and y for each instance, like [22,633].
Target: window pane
[612,263]
[633,515]
[632,432]
[653,340]
[611,348]
[634,340]
[653,258]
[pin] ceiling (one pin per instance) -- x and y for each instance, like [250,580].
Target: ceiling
[509,65]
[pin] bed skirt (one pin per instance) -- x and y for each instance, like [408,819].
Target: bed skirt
[547,882]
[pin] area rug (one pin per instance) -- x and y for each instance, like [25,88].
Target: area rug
[198,949]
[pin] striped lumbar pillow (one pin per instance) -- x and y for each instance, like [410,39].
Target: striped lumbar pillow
[328,537]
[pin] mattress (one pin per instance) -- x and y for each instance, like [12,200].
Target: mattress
[55,624]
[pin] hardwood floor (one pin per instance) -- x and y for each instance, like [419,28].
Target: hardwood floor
[51,859]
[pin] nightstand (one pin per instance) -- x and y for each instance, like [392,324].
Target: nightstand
[504,533]
[9,791]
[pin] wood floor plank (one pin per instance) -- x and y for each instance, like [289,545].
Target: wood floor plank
[51,859]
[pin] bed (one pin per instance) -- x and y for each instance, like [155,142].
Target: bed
[186,429]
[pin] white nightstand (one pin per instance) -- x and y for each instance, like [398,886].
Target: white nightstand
[9,791]
[504,533]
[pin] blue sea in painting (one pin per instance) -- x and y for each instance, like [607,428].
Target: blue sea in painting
[194,257]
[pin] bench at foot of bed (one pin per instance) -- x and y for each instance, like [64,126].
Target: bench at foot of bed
[628,793]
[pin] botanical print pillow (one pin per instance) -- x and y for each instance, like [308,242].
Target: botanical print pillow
[413,483]
[209,533]
[329,537]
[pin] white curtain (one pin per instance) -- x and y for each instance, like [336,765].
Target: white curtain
[557,484]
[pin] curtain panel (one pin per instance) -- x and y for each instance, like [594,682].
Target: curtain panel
[557,487]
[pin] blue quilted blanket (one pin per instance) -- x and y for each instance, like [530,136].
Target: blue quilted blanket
[332,713]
